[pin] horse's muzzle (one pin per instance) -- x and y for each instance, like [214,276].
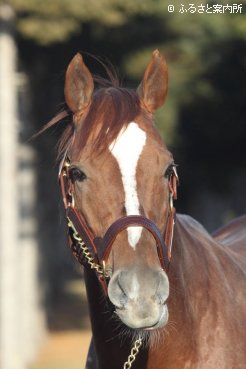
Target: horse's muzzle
[139,297]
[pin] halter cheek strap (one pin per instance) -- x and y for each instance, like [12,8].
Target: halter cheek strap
[94,251]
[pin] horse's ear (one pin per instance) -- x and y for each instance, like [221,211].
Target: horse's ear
[153,88]
[78,85]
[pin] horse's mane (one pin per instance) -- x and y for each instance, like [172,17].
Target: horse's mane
[111,108]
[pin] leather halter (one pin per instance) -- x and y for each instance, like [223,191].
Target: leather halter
[95,250]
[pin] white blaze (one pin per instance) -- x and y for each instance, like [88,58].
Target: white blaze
[127,149]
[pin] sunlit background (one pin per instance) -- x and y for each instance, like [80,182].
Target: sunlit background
[44,322]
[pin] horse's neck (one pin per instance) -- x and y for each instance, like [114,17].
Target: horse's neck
[204,279]
[199,265]
[198,259]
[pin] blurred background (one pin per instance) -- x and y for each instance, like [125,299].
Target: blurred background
[43,313]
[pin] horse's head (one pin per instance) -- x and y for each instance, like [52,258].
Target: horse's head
[120,167]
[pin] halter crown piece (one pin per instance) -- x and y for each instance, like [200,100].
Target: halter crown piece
[93,252]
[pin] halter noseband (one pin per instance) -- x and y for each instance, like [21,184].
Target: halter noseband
[93,251]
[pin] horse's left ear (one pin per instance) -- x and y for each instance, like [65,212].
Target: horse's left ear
[153,88]
[79,85]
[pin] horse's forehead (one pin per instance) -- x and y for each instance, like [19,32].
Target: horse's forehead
[137,146]
[128,145]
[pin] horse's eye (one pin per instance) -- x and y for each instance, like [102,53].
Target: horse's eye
[77,175]
[170,171]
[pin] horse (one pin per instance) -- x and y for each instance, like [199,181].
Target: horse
[162,292]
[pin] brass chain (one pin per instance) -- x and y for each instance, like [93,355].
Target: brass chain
[99,268]
[134,351]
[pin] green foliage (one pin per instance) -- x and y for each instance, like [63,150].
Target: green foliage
[47,21]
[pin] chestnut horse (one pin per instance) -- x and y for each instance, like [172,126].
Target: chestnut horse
[118,181]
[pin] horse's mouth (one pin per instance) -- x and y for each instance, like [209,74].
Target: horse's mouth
[143,325]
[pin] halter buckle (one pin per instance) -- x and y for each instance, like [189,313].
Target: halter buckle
[67,187]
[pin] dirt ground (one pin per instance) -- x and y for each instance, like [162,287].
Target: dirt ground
[63,350]
[69,333]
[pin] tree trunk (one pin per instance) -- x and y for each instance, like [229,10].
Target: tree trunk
[9,356]
[21,316]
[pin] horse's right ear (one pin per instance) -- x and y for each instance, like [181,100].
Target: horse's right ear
[78,85]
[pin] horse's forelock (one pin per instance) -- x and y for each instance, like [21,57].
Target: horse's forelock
[111,109]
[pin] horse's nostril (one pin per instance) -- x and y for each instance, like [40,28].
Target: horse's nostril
[162,291]
[116,292]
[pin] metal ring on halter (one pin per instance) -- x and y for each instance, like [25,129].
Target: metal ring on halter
[105,272]
[171,201]
[71,203]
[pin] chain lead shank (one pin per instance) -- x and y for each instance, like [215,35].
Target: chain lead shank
[86,253]
[134,351]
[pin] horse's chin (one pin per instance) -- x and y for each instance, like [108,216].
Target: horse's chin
[162,321]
